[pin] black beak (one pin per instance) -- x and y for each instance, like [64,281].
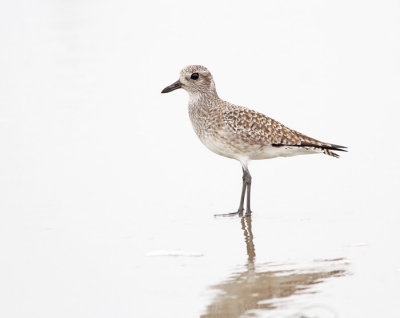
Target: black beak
[172,87]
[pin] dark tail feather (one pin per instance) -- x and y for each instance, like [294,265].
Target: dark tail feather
[327,148]
[331,153]
[338,148]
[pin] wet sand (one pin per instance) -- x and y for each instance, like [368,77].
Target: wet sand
[259,288]
[107,196]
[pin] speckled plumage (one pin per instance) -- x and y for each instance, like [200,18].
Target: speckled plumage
[238,132]
[241,133]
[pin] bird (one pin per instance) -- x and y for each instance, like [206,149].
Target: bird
[238,132]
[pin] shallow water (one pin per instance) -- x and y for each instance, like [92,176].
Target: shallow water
[107,197]
[257,288]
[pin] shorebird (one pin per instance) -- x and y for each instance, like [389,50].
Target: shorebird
[238,132]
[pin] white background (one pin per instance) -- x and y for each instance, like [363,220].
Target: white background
[97,168]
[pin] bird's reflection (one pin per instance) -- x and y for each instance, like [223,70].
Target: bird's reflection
[248,238]
[262,286]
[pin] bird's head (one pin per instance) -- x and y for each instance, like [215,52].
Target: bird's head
[195,79]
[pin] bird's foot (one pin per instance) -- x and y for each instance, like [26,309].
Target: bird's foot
[237,213]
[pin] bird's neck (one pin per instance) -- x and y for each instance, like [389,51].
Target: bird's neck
[203,99]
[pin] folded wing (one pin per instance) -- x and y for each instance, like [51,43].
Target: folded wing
[256,128]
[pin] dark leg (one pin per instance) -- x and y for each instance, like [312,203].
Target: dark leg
[247,178]
[241,208]
[241,205]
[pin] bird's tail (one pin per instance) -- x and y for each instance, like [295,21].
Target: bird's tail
[328,150]
[325,148]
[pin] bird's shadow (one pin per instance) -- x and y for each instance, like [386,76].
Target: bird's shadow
[265,286]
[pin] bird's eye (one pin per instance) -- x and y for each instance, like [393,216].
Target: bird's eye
[194,76]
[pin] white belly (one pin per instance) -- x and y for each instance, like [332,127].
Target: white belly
[268,152]
[220,147]
[244,152]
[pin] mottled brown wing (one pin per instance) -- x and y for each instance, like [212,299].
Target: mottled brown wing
[256,128]
[265,130]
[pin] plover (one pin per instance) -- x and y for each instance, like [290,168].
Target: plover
[238,132]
